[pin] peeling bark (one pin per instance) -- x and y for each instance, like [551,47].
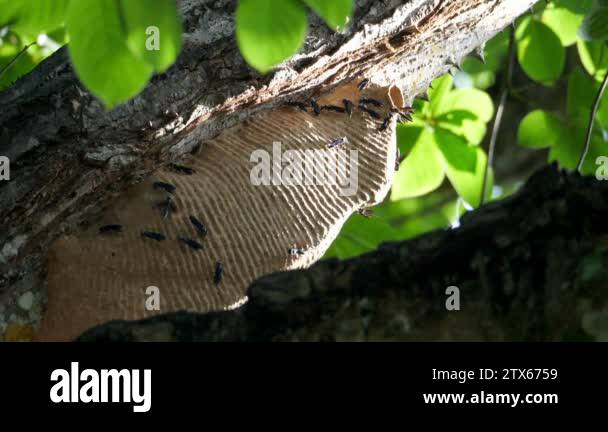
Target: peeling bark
[70,158]
[531,267]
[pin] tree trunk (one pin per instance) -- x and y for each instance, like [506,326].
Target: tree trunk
[528,268]
[70,158]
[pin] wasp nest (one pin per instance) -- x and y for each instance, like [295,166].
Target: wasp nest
[203,230]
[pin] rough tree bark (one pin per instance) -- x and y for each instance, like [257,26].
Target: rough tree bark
[531,267]
[70,158]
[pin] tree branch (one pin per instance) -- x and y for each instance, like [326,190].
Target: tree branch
[70,158]
[528,268]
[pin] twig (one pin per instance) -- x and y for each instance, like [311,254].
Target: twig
[506,88]
[7,67]
[596,106]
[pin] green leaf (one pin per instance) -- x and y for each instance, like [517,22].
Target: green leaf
[336,13]
[100,54]
[465,112]
[595,25]
[464,166]
[582,92]
[482,76]
[539,129]
[580,7]
[496,50]
[568,149]
[602,114]
[421,172]
[153,31]
[23,65]
[594,56]
[360,235]
[441,87]
[408,135]
[34,16]
[540,52]
[563,20]
[270,31]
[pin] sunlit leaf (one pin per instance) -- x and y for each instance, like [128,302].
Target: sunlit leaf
[595,25]
[496,50]
[564,20]
[594,56]
[360,235]
[100,53]
[336,13]
[421,172]
[270,31]
[407,136]
[539,51]
[440,88]
[464,166]
[465,112]
[539,129]
[144,25]
[33,17]
[481,76]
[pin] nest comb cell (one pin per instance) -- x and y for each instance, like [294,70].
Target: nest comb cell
[251,228]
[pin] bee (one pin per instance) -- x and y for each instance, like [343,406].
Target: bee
[338,142]
[182,169]
[295,252]
[385,124]
[191,243]
[370,101]
[169,188]
[219,273]
[333,108]
[153,235]
[405,115]
[202,230]
[299,105]
[372,113]
[363,84]
[167,207]
[108,229]
[315,107]
[348,107]
[366,213]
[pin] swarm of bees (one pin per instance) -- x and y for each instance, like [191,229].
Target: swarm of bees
[167,207]
[365,104]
